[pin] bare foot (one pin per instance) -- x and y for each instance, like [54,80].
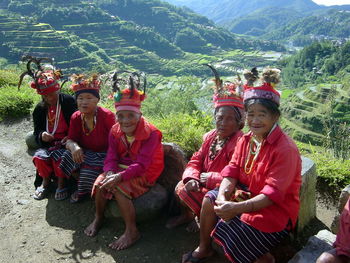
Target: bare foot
[178,220]
[197,255]
[93,228]
[125,241]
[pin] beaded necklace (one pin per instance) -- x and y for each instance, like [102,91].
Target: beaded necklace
[216,146]
[56,118]
[85,128]
[252,155]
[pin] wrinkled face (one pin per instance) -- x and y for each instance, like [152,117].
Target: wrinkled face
[226,123]
[51,98]
[260,120]
[87,103]
[128,121]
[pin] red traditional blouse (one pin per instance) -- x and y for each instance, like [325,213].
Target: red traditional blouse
[276,174]
[97,139]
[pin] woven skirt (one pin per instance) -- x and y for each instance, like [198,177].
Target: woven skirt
[241,242]
[89,170]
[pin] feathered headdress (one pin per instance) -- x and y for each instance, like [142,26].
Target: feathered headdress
[45,76]
[270,78]
[226,93]
[82,82]
[133,93]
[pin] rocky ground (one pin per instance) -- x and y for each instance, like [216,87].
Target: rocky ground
[52,231]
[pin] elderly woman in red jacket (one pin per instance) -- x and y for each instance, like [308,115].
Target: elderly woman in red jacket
[203,170]
[133,163]
[258,199]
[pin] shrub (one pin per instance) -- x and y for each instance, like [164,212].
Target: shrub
[14,103]
[333,174]
[184,129]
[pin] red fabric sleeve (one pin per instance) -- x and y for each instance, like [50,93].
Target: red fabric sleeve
[342,243]
[112,159]
[195,165]
[110,120]
[214,179]
[74,132]
[280,175]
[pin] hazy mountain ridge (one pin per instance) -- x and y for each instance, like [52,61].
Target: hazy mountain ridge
[283,20]
[223,11]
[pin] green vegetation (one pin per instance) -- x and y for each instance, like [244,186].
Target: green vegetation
[14,103]
[103,35]
[333,173]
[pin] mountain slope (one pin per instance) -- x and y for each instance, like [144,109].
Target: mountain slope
[331,25]
[147,35]
[223,11]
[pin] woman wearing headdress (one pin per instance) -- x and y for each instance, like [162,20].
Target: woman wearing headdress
[87,141]
[134,162]
[258,199]
[51,119]
[202,172]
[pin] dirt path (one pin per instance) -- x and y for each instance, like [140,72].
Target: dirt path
[52,231]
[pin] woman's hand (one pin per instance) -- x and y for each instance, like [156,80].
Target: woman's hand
[47,137]
[76,151]
[192,185]
[203,178]
[226,209]
[64,140]
[111,181]
[78,155]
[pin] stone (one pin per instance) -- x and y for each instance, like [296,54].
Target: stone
[30,141]
[343,198]
[335,224]
[307,193]
[147,206]
[315,246]
[174,165]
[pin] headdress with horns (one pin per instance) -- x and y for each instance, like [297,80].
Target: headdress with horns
[45,77]
[226,93]
[133,94]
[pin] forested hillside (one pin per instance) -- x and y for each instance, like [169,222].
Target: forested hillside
[296,23]
[319,76]
[333,24]
[150,35]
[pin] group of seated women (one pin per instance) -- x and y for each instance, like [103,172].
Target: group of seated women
[240,190]
[117,157]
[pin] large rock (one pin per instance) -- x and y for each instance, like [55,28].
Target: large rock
[315,246]
[343,198]
[307,193]
[147,206]
[30,141]
[175,163]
